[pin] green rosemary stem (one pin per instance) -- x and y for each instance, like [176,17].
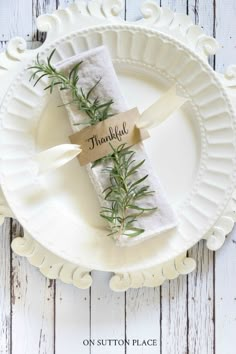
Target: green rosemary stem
[124,193]
[97,111]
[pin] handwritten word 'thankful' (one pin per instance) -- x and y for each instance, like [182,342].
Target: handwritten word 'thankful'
[115,133]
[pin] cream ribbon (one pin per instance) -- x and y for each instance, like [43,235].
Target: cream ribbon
[56,157]
[59,155]
[168,103]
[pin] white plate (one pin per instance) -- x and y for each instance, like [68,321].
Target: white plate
[193,152]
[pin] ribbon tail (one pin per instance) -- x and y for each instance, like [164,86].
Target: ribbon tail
[160,110]
[56,157]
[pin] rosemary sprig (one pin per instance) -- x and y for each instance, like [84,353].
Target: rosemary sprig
[124,192]
[97,111]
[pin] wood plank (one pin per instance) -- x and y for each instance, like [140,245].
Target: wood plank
[225,33]
[2,45]
[5,288]
[143,318]
[72,319]
[175,5]
[16,19]
[142,305]
[174,293]
[201,302]
[202,13]
[132,10]
[225,265]
[225,297]
[107,316]
[174,316]
[201,282]
[32,306]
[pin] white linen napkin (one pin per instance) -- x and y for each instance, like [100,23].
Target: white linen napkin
[97,65]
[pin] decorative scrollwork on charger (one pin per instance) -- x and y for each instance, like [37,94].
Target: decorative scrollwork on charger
[179,26]
[50,265]
[155,276]
[53,267]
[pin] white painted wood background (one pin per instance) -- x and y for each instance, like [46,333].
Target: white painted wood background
[195,314]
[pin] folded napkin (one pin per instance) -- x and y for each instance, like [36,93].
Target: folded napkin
[97,65]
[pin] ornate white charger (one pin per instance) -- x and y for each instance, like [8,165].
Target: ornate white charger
[199,177]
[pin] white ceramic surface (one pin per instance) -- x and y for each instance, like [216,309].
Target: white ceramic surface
[193,152]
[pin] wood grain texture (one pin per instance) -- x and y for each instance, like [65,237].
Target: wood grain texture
[132,10]
[16,19]
[225,31]
[174,316]
[107,315]
[201,302]
[190,315]
[32,305]
[175,5]
[225,297]
[225,263]
[201,282]
[143,320]
[5,288]
[72,319]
